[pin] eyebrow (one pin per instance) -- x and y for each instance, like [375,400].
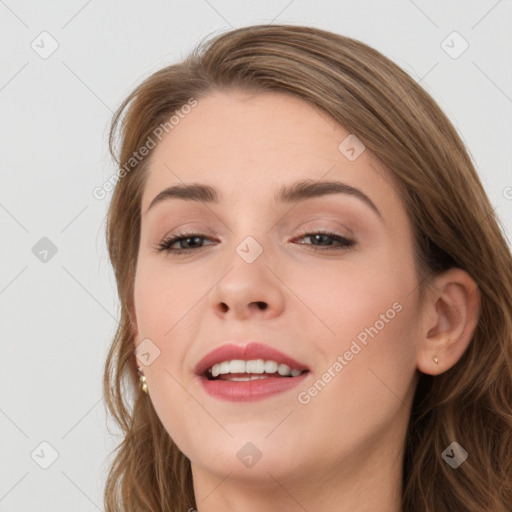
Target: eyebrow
[287,194]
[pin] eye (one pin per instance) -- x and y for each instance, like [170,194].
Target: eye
[324,236]
[184,239]
[188,242]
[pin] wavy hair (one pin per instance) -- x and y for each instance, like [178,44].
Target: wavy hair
[454,225]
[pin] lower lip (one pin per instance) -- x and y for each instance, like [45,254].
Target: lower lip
[250,390]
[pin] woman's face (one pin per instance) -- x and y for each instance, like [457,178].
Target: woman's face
[255,270]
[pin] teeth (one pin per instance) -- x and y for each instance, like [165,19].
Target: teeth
[284,369]
[271,367]
[257,366]
[253,377]
[237,366]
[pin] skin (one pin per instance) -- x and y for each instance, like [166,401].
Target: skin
[343,450]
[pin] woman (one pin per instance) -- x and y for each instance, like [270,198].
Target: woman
[316,293]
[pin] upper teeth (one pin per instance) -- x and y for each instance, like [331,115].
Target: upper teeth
[252,366]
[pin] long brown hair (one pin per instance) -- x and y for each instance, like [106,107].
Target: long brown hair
[454,226]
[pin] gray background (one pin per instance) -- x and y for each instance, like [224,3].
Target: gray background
[59,315]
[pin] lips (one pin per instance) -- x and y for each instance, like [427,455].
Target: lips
[251,351]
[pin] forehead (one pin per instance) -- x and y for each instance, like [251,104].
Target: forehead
[253,143]
[252,126]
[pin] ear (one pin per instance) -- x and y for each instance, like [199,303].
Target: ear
[449,318]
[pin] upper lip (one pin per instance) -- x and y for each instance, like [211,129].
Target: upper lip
[250,351]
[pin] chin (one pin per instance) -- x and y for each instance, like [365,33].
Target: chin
[246,457]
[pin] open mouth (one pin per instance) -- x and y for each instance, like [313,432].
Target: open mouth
[245,373]
[238,370]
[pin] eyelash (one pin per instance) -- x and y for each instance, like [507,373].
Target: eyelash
[165,245]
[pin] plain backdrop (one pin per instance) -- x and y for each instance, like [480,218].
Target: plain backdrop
[58,298]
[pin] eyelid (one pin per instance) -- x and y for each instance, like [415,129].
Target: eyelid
[303,228]
[340,229]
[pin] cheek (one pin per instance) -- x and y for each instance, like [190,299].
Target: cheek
[162,302]
[376,330]
[362,386]
[163,297]
[163,309]
[353,297]
[368,314]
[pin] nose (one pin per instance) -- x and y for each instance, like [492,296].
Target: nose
[248,290]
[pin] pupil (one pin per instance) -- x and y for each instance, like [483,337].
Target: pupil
[318,237]
[186,240]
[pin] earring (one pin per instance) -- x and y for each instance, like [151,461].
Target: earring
[436,360]
[142,379]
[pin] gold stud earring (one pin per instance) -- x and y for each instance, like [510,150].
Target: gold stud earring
[436,360]
[142,379]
